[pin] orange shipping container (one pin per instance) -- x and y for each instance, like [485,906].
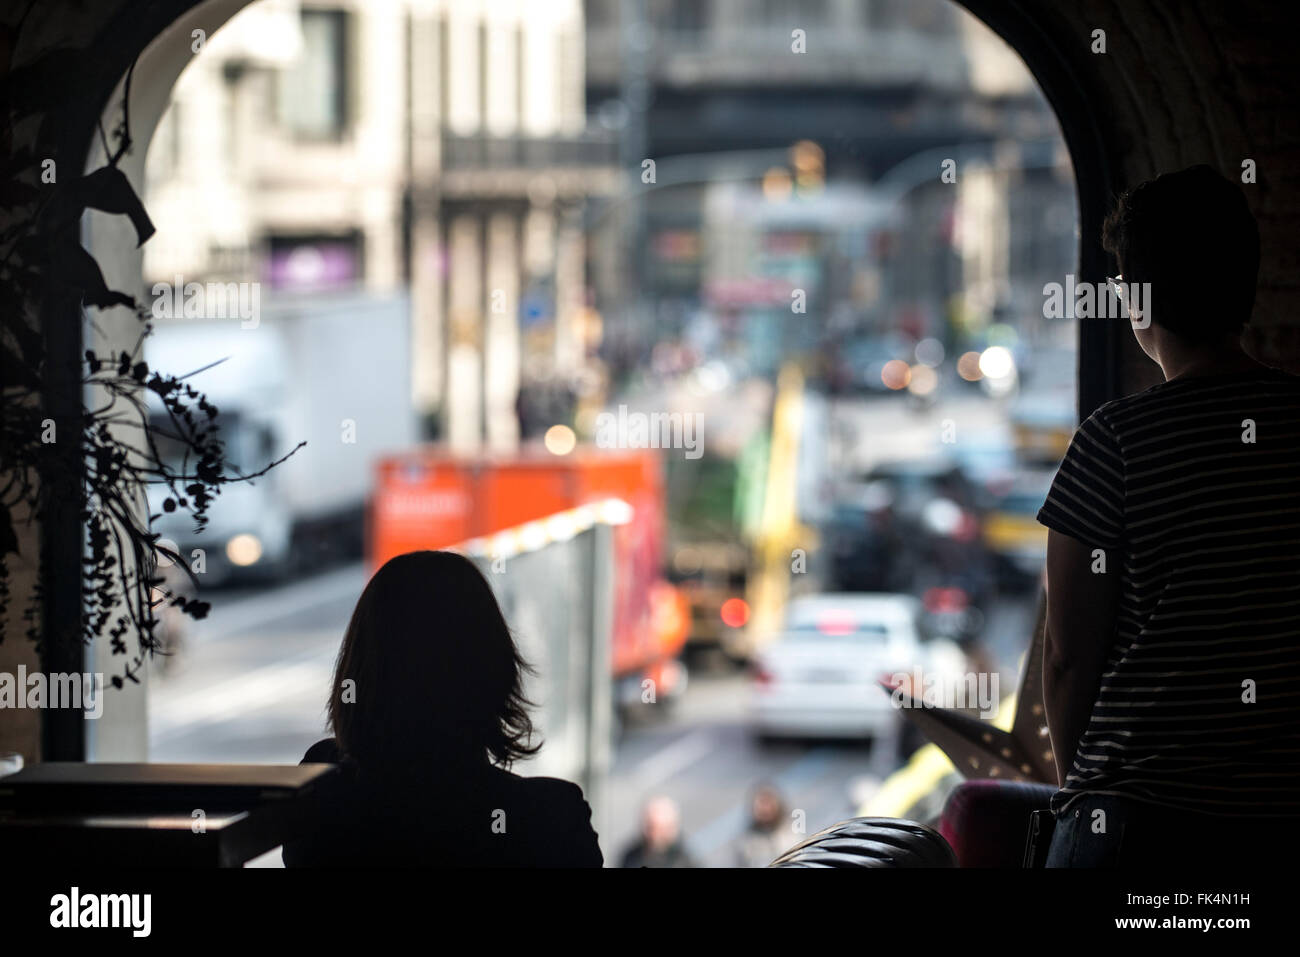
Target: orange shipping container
[428,499]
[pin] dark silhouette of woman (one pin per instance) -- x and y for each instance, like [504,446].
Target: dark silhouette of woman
[428,713]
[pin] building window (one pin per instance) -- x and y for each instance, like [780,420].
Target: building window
[688,16]
[887,14]
[599,13]
[483,57]
[521,80]
[793,12]
[444,70]
[312,94]
[306,262]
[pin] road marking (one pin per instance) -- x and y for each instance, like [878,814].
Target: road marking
[677,756]
[226,619]
[240,695]
[729,825]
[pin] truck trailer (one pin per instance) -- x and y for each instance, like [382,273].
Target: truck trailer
[330,371]
[429,498]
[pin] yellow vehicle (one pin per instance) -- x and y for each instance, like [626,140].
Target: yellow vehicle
[1043,416]
[1042,441]
[1012,533]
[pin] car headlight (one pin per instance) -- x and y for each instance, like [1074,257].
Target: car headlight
[244,549]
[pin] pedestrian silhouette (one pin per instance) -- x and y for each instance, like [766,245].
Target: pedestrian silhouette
[660,843]
[768,834]
[428,713]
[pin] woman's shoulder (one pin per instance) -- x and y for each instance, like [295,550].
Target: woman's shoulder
[558,819]
[325,751]
[554,793]
[556,790]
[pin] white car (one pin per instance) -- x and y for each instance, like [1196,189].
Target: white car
[821,676]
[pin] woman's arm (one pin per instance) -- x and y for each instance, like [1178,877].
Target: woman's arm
[1082,603]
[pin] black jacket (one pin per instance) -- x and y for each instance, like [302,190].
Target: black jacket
[481,817]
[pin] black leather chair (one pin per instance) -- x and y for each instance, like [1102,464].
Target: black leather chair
[871,842]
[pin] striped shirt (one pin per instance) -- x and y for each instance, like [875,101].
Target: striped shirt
[1190,491]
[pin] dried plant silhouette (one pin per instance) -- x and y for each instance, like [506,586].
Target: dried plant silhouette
[100,462]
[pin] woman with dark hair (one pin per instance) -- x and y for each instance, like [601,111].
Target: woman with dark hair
[428,713]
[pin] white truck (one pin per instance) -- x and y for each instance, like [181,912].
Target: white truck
[329,370]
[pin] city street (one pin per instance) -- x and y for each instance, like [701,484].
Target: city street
[250,685]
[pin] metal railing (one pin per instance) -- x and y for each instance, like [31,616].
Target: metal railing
[554,579]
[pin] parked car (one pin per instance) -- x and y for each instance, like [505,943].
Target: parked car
[821,677]
[913,484]
[935,515]
[950,613]
[867,548]
[989,462]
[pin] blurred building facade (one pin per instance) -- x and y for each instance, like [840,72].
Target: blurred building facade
[435,144]
[488,155]
[884,91]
